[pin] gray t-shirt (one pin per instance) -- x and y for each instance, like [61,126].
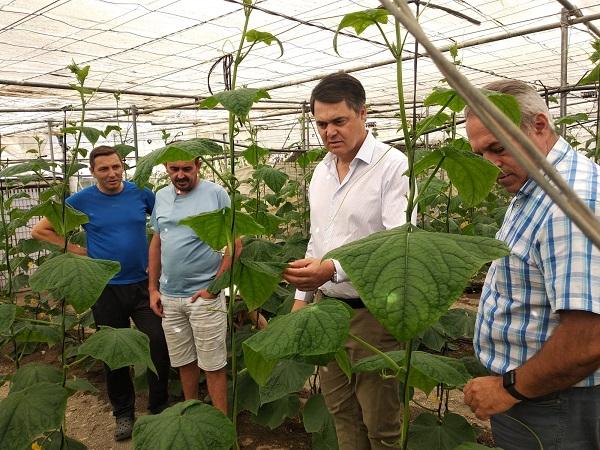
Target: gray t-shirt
[188,264]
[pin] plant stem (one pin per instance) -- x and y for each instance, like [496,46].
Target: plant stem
[378,352]
[431,177]
[406,396]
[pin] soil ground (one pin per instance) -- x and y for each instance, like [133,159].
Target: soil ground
[89,418]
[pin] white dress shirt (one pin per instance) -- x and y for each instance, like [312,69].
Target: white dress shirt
[372,197]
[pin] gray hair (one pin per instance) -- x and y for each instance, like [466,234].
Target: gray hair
[530,102]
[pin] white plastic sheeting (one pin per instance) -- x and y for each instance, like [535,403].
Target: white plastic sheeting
[169,46]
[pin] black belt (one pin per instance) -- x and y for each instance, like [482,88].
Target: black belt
[354,303]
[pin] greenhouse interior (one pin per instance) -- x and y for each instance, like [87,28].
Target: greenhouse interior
[226,85]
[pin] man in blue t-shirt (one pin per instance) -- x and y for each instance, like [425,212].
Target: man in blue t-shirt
[116,231]
[181,267]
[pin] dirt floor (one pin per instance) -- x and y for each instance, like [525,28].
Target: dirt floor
[89,417]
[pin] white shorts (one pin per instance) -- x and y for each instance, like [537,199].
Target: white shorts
[196,331]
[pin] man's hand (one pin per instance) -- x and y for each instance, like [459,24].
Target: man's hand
[486,396]
[309,274]
[77,249]
[203,293]
[155,303]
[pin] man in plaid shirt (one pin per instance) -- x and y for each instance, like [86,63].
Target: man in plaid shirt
[538,326]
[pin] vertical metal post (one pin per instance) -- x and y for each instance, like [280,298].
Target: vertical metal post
[133,112]
[564,47]
[51,144]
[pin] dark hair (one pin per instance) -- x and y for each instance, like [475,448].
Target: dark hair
[102,150]
[337,87]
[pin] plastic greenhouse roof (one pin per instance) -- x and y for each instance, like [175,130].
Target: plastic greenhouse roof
[165,49]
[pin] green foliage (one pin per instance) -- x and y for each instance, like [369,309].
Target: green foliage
[8,313]
[310,156]
[427,370]
[35,165]
[185,425]
[264,37]
[274,414]
[77,279]
[273,178]
[449,98]
[571,119]
[123,150]
[213,227]
[238,101]
[34,373]
[287,377]
[427,432]
[176,151]
[254,154]
[314,332]
[473,176]
[119,347]
[319,422]
[27,413]
[54,441]
[360,21]
[408,279]
[53,211]
[592,77]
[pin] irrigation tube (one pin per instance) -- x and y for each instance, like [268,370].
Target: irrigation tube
[507,133]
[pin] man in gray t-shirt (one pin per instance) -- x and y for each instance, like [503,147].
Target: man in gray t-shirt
[180,268]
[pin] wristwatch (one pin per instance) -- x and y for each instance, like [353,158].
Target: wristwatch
[334,278]
[508,382]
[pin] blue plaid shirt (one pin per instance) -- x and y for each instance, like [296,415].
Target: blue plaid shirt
[552,267]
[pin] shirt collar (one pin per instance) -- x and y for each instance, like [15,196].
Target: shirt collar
[365,152]
[555,155]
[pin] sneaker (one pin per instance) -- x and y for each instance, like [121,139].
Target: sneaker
[124,427]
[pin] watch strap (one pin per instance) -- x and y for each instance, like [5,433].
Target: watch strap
[508,382]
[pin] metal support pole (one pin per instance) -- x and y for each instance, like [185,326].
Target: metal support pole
[564,48]
[133,112]
[51,146]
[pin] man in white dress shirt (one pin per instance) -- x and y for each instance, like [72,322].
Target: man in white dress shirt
[358,189]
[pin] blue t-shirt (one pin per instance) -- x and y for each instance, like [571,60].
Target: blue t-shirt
[187,263]
[117,228]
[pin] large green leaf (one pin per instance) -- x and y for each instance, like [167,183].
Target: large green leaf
[34,373]
[35,165]
[445,97]
[408,279]
[591,78]
[263,36]
[473,176]
[507,104]
[123,150]
[26,414]
[318,421]
[254,154]
[248,397]
[78,279]
[33,332]
[257,281]
[287,377]
[183,426]
[458,322]
[360,21]
[426,433]
[272,177]
[177,151]
[213,227]
[274,414]
[315,414]
[238,101]
[8,312]
[54,441]
[427,370]
[315,330]
[119,347]
[53,211]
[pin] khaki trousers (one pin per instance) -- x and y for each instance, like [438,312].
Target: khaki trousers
[366,409]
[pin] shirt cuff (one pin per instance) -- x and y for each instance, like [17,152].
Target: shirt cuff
[304,296]
[341,275]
